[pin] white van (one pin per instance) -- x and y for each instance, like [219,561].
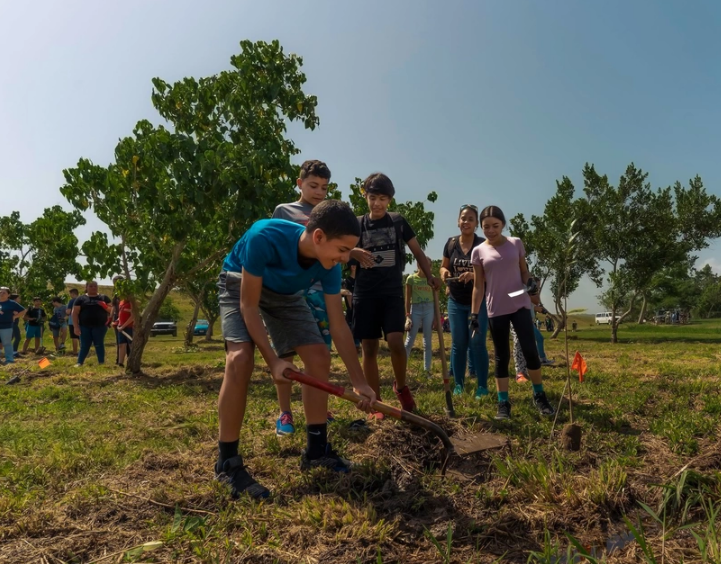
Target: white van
[603,318]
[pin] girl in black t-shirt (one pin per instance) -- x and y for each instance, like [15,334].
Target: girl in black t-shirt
[457,264]
[90,322]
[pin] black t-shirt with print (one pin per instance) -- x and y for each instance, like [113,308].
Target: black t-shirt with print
[36,316]
[380,237]
[460,262]
[92,314]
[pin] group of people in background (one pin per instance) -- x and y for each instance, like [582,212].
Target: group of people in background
[85,319]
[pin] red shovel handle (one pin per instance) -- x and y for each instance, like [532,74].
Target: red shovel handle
[301,378]
[384,408]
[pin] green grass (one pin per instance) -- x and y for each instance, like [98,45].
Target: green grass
[93,462]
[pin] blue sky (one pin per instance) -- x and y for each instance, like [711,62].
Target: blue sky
[484,102]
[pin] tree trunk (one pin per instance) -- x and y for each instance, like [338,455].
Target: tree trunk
[211,321]
[559,320]
[144,321]
[191,325]
[643,310]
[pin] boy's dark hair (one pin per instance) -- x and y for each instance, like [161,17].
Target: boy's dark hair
[57,300]
[314,168]
[335,218]
[14,296]
[378,183]
[494,212]
[74,291]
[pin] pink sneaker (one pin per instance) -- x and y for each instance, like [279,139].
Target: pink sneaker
[405,397]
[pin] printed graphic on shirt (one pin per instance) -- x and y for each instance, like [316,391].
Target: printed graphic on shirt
[381,243]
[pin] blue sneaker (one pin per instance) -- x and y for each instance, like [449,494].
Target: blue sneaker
[329,460]
[458,390]
[284,424]
[481,392]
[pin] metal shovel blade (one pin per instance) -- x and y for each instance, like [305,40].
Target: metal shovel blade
[478,442]
[516,293]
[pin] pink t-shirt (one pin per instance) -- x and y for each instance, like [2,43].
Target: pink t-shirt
[502,270]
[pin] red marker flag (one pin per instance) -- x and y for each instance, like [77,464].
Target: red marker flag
[579,364]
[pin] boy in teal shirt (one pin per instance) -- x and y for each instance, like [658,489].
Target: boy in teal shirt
[262,288]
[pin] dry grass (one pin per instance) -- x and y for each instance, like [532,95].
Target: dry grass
[94,464]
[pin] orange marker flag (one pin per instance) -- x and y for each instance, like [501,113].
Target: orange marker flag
[44,363]
[579,364]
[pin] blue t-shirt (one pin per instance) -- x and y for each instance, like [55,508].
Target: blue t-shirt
[7,308]
[270,249]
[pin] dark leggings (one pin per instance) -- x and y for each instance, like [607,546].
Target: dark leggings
[500,332]
[16,337]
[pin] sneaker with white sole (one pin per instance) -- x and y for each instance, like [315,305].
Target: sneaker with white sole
[504,410]
[284,425]
[542,404]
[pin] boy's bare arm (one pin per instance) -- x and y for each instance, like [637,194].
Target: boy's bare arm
[478,288]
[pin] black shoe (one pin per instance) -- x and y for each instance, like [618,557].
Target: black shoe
[504,410]
[329,460]
[359,426]
[234,474]
[542,404]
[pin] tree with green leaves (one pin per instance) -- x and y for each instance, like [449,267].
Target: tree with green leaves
[175,199]
[546,240]
[639,231]
[38,256]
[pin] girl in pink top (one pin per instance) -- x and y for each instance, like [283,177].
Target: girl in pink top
[499,263]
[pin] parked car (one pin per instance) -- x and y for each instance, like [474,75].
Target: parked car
[164,328]
[201,327]
[603,318]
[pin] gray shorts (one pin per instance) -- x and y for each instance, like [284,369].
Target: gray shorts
[288,319]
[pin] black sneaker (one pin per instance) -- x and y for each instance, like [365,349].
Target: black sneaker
[236,476]
[329,460]
[542,404]
[504,410]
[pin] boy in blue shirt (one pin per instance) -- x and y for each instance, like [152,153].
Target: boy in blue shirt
[261,282]
[313,186]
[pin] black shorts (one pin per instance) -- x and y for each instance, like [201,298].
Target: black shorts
[71,330]
[378,316]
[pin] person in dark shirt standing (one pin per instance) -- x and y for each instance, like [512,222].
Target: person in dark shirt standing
[10,311]
[34,324]
[378,304]
[17,336]
[90,322]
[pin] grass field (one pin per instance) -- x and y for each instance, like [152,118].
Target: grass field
[94,464]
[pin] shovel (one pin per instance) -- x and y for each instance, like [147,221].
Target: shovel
[463,446]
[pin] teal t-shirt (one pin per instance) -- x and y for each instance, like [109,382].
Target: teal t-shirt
[421,292]
[269,249]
